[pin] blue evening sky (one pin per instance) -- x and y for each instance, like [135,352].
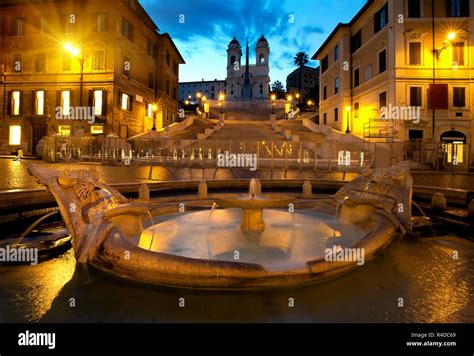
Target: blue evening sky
[202,30]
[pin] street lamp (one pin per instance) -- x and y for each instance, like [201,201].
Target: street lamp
[449,38]
[298,97]
[273,97]
[75,52]
[221,99]
[348,110]
[198,96]
[154,109]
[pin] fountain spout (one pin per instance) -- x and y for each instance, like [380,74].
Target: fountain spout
[254,188]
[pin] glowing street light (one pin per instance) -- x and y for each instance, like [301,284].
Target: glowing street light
[273,97]
[154,109]
[348,110]
[451,36]
[221,99]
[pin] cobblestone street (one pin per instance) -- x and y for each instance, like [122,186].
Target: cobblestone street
[14,175]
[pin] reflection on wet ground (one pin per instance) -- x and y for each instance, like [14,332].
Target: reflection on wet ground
[435,287]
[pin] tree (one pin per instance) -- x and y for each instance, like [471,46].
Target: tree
[301,59]
[278,89]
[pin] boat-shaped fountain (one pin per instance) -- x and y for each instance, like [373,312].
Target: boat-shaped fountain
[250,241]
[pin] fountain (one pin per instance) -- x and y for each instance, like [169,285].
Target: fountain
[252,243]
[252,206]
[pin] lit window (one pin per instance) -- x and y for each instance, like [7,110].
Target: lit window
[124,102]
[65,102]
[97,130]
[149,110]
[98,102]
[15,135]
[16,103]
[40,102]
[64,130]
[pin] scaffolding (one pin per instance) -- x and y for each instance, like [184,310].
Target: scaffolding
[377,130]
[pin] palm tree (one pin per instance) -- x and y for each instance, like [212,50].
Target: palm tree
[301,59]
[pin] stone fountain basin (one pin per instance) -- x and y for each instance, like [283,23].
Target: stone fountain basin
[262,201]
[173,270]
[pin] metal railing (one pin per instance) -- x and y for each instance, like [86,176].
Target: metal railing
[304,155]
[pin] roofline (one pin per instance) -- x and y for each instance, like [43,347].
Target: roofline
[167,35]
[316,69]
[148,16]
[343,25]
[205,81]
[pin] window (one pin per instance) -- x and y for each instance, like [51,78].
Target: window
[383,61]
[458,53]
[458,8]
[152,49]
[336,85]
[17,63]
[126,66]
[325,92]
[64,130]
[125,102]
[368,72]
[66,62]
[262,59]
[15,103]
[127,30]
[99,60]
[15,135]
[98,102]
[175,67]
[414,8]
[324,64]
[68,22]
[17,26]
[381,19]
[459,97]
[336,114]
[97,130]
[415,53]
[383,100]
[336,53]
[356,41]
[325,118]
[102,22]
[168,87]
[356,78]
[356,110]
[149,110]
[41,23]
[65,102]
[151,80]
[415,96]
[41,62]
[39,103]
[168,61]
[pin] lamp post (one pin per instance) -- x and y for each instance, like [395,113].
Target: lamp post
[290,100]
[273,97]
[221,99]
[436,54]
[310,104]
[298,97]
[198,96]
[348,110]
[154,108]
[75,52]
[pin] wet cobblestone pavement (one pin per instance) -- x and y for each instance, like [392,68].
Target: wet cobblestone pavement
[14,175]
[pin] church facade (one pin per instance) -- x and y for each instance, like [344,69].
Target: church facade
[248,81]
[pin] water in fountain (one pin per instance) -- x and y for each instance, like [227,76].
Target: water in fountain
[426,218]
[253,188]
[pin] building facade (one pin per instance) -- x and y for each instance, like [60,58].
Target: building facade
[386,64]
[305,81]
[209,89]
[248,81]
[76,68]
